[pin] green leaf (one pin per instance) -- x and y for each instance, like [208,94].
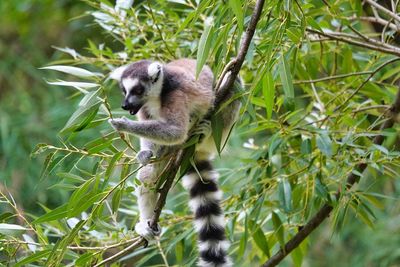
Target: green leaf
[313,23]
[285,194]
[297,257]
[243,241]
[373,200]
[111,167]
[188,155]
[305,148]
[217,130]
[204,45]
[179,251]
[85,259]
[85,202]
[78,194]
[34,257]
[268,89]
[320,188]
[274,143]
[46,163]
[7,228]
[116,199]
[71,178]
[362,214]
[57,213]
[100,147]
[5,216]
[294,35]
[261,241]
[324,143]
[286,78]
[278,227]
[73,71]
[85,113]
[236,7]
[77,85]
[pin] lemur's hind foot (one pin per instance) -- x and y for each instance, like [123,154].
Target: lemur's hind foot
[144,229]
[203,128]
[144,156]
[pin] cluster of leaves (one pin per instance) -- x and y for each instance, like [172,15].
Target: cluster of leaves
[310,109]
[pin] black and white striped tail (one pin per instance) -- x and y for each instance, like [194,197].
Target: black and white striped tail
[209,222]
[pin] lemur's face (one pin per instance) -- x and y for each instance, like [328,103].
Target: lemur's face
[139,81]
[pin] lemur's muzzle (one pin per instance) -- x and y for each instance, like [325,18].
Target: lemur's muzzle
[133,104]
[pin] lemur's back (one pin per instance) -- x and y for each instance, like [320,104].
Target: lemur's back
[199,91]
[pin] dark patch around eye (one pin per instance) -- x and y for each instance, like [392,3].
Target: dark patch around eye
[138,90]
[123,90]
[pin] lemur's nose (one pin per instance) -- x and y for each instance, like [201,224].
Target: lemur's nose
[125,106]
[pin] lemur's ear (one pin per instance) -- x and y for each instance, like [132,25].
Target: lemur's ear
[154,71]
[116,74]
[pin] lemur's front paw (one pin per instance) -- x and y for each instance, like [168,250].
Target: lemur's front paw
[144,156]
[143,229]
[119,124]
[203,128]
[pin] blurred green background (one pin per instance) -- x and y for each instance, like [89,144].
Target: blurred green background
[33,112]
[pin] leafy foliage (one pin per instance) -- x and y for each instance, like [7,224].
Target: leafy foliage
[310,109]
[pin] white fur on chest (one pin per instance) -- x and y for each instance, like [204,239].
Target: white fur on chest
[153,107]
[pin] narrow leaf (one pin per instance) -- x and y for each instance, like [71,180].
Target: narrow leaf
[236,7]
[72,70]
[286,78]
[204,45]
[324,144]
[268,89]
[276,221]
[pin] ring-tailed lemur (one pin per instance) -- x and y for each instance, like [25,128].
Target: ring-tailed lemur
[169,100]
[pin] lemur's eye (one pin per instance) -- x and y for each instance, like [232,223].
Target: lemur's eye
[139,90]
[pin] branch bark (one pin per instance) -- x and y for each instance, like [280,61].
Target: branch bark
[326,210]
[177,158]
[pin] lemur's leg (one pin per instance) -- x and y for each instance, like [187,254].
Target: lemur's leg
[160,132]
[147,198]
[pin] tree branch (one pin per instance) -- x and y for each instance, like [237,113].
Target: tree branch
[346,38]
[380,21]
[383,9]
[325,211]
[177,158]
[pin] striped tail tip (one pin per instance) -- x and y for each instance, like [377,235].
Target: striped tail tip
[209,222]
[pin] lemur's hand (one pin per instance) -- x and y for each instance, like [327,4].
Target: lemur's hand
[144,156]
[119,124]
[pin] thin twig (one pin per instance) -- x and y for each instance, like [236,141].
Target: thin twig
[325,211]
[163,256]
[335,77]
[121,253]
[380,21]
[371,107]
[383,9]
[377,46]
